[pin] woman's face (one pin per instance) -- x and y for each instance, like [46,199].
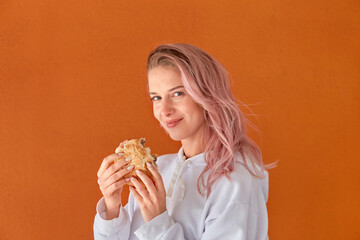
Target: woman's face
[177,113]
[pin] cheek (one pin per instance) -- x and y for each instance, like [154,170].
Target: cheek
[198,114]
[155,112]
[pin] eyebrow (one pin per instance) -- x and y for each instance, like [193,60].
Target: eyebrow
[168,90]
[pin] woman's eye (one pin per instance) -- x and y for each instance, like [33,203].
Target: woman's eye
[178,93]
[155,98]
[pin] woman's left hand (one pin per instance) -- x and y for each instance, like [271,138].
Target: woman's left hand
[150,197]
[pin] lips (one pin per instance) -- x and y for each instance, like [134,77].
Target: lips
[173,123]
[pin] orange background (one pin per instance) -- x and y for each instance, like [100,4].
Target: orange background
[72,87]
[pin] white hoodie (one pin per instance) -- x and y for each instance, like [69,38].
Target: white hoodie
[235,209]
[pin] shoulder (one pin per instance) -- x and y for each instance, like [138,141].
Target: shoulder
[241,186]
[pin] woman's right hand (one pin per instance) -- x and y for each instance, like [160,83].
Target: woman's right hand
[111,181]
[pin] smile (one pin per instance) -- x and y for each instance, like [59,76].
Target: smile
[173,123]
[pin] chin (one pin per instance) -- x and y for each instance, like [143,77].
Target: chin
[175,137]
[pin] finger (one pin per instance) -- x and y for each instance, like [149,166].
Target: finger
[113,187]
[114,168]
[140,188]
[136,195]
[117,176]
[157,178]
[107,161]
[147,182]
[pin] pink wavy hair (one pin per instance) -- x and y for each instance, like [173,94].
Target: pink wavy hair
[207,83]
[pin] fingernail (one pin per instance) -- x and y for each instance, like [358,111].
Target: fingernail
[148,165]
[130,167]
[120,153]
[127,179]
[127,159]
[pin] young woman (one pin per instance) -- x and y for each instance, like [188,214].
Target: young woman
[215,187]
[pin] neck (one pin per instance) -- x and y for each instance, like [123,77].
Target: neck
[192,148]
[194,145]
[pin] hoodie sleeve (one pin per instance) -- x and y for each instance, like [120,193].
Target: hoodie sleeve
[161,227]
[236,209]
[114,229]
[237,221]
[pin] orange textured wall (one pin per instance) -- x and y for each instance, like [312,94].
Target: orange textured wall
[72,87]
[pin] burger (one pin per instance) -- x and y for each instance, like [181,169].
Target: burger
[139,154]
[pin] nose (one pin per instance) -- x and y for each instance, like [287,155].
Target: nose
[166,107]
